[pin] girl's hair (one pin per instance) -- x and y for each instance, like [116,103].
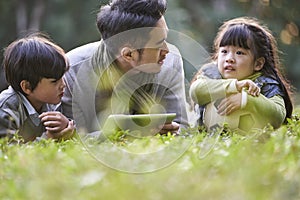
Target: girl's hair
[32,58]
[249,33]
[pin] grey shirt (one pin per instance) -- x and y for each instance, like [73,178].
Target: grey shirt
[17,115]
[90,107]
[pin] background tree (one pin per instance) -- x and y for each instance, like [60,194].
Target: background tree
[71,23]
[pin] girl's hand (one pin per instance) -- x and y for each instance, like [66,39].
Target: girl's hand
[230,104]
[251,87]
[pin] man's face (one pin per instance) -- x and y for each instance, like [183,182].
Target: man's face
[151,58]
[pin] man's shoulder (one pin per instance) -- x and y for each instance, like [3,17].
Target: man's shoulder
[82,53]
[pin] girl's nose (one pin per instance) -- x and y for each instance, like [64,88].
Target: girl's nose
[230,59]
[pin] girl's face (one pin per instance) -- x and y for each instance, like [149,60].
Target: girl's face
[236,62]
[48,90]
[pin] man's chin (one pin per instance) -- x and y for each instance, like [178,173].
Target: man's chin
[150,69]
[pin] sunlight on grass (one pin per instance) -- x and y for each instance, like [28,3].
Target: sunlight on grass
[261,166]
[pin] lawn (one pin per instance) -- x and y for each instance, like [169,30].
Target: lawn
[264,165]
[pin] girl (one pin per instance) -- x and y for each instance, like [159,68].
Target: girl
[244,75]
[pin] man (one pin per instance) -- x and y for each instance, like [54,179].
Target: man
[132,70]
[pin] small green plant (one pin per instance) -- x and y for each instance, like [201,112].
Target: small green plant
[261,165]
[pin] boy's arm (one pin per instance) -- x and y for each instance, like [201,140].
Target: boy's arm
[8,124]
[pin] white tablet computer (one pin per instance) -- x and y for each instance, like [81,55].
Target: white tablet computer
[140,124]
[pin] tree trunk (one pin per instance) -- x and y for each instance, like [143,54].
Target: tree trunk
[24,24]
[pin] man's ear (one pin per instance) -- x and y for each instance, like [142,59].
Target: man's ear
[127,54]
[259,63]
[26,87]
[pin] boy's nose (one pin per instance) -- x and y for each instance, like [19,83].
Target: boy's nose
[63,84]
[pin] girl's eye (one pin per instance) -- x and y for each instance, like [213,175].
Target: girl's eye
[240,53]
[224,51]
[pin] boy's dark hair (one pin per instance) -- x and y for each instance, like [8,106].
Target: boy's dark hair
[32,58]
[123,15]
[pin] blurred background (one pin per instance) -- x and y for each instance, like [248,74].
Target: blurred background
[71,23]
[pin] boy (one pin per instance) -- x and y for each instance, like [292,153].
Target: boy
[34,67]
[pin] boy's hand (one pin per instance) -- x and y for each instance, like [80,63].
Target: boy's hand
[54,121]
[57,125]
[65,134]
[250,86]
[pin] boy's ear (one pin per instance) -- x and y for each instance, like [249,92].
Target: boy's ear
[259,63]
[26,87]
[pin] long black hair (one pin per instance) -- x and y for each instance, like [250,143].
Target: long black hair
[249,33]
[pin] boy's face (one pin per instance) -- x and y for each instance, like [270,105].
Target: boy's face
[236,62]
[151,58]
[48,90]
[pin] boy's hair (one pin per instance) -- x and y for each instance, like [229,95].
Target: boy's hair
[120,16]
[32,58]
[249,33]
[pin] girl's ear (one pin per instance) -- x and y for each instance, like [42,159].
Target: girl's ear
[259,63]
[26,87]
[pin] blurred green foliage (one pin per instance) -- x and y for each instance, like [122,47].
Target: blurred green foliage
[261,166]
[71,23]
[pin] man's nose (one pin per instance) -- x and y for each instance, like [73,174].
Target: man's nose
[165,48]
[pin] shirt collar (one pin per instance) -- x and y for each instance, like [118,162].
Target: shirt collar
[33,114]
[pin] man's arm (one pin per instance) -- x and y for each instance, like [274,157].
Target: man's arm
[172,77]
[75,57]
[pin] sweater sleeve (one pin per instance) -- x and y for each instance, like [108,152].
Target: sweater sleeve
[171,77]
[205,90]
[8,123]
[272,109]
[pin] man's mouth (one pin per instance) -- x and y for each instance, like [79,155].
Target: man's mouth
[161,61]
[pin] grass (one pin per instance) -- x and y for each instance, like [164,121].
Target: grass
[194,166]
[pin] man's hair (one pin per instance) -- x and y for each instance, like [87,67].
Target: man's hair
[120,16]
[32,58]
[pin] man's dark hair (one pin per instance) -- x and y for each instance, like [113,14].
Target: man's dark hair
[120,16]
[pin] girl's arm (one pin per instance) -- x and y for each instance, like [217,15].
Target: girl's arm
[205,90]
[272,108]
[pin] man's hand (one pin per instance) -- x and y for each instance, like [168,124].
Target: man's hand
[170,127]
